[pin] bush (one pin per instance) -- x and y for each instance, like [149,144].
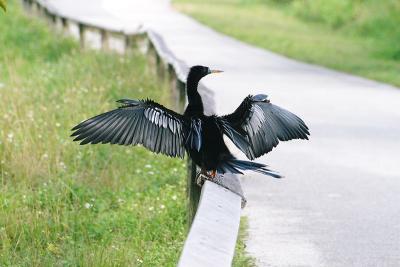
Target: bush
[380,21]
[375,20]
[334,13]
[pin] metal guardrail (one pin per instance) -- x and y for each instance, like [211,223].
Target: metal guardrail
[214,209]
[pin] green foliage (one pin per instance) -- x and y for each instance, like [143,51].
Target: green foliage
[380,22]
[242,259]
[357,36]
[62,204]
[3,4]
[331,12]
[377,20]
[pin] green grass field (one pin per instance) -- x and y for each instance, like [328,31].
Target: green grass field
[62,204]
[359,37]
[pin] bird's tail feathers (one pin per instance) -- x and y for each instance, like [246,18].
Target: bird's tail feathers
[237,166]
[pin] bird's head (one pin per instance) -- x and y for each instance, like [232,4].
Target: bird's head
[198,72]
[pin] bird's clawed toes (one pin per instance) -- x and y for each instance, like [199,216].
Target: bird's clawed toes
[205,175]
[213,174]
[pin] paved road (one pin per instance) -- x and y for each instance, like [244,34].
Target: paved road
[339,203]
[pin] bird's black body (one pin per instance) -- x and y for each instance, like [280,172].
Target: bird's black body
[213,149]
[255,127]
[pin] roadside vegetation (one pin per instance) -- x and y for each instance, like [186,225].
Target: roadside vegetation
[360,37]
[62,204]
[242,258]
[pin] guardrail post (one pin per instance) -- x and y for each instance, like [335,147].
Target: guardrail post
[128,46]
[38,9]
[174,84]
[58,24]
[193,192]
[64,24]
[104,39]
[27,4]
[137,42]
[152,58]
[82,34]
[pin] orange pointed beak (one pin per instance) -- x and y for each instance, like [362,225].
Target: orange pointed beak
[216,71]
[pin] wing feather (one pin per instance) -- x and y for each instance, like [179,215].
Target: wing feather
[264,125]
[136,122]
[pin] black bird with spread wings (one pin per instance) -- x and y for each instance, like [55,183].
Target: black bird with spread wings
[255,127]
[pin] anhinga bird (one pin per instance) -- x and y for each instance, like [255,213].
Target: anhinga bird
[255,127]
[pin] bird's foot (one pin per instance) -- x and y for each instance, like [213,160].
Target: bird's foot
[204,175]
[213,174]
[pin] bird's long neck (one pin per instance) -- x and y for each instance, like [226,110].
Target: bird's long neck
[195,106]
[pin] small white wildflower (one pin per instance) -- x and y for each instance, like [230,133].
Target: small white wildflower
[58,124]
[150,172]
[2,85]
[174,197]
[174,169]
[151,208]
[30,115]
[148,166]
[45,156]
[162,207]
[139,260]
[62,165]
[88,205]
[39,136]
[120,200]
[10,137]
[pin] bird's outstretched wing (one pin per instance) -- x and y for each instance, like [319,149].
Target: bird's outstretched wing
[264,125]
[136,122]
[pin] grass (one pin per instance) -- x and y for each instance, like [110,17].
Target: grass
[242,258]
[62,204]
[359,37]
